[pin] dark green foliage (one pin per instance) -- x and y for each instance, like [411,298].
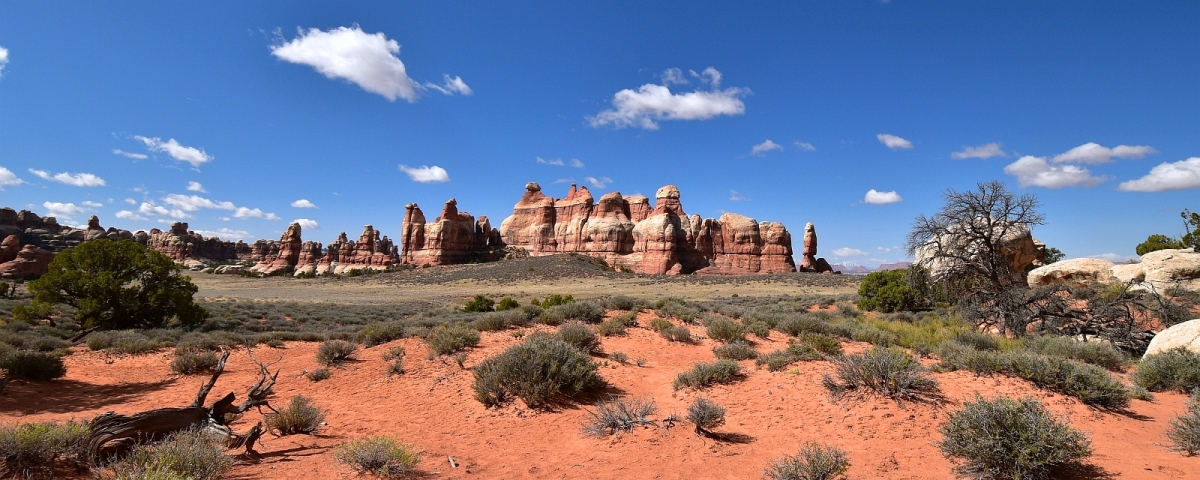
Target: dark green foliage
[736,351]
[333,353]
[611,327]
[678,333]
[379,455]
[825,344]
[587,312]
[28,365]
[780,359]
[759,329]
[1095,352]
[190,454]
[1009,439]
[725,330]
[449,339]
[1053,255]
[814,462]
[479,304]
[130,342]
[1185,429]
[554,300]
[890,372]
[190,362]
[507,303]
[619,415]
[537,370]
[1191,228]
[29,447]
[118,285]
[318,375]
[705,374]
[579,335]
[705,414]
[659,324]
[1175,369]
[1158,242]
[299,416]
[892,291]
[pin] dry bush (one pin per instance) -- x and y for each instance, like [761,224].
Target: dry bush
[587,312]
[814,462]
[187,454]
[890,372]
[1175,369]
[300,416]
[579,335]
[678,333]
[1005,438]
[449,339]
[379,455]
[780,359]
[704,374]
[705,415]
[619,415]
[333,353]
[736,351]
[187,363]
[26,448]
[318,375]
[29,365]
[725,330]
[537,370]
[1185,429]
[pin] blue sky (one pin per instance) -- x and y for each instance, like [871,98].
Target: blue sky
[845,114]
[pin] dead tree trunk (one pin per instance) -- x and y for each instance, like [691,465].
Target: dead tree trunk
[113,433]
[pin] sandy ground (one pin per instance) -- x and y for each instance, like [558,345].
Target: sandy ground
[431,406]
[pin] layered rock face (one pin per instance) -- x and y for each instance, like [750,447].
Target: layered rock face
[809,262]
[1159,270]
[31,261]
[288,255]
[1186,335]
[181,244]
[453,237]
[1017,246]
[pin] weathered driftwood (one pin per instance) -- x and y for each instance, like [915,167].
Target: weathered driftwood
[113,433]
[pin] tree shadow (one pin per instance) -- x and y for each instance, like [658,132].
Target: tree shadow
[69,396]
[730,437]
[1082,471]
[591,397]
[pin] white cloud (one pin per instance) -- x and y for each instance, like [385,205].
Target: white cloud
[1092,152]
[893,142]
[1179,175]
[764,147]
[224,234]
[451,86]
[369,60]
[303,203]
[62,209]
[8,178]
[192,155]
[128,215]
[307,224]
[564,180]
[597,182]
[248,213]
[196,187]
[149,208]
[710,76]
[808,147]
[983,151]
[847,252]
[556,162]
[191,203]
[424,174]
[652,103]
[3,59]
[674,76]
[1115,257]
[875,197]
[135,156]
[577,163]
[131,201]
[77,179]
[91,204]
[1034,171]
[735,196]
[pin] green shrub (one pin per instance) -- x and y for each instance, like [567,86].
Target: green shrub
[536,370]
[381,332]
[611,327]
[890,372]
[38,446]
[500,320]
[705,374]
[36,366]
[1175,369]
[579,335]
[1096,353]
[554,300]
[725,330]
[507,303]
[795,325]
[1091,384]
[587,312]
[445,340]
[680,309]
[826,344]
[379,455]
[705,415]
[1156,242]
[622,302]
[890,291]
[318,375]
[187,454]
[1005,438]
[736,351]
[479,304]
[129,342]
[659,324]
[814,462]
[333,353]
[978,340]
[619,357]
[300,416]
[678,333]
[759,329]
[619,415]
[780,359]
[187,363]
[1185,429]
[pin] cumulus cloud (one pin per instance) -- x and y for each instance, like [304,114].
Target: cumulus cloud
[196,187]
[150,208]
[3,59]
[8,178]
[1179,175]
[192,155]
[808,147]
[556,162]
[875,197]
[1035,171]
[735,196]
[983,151]
[303,203]
[1092,152]
[848,252]
[74,179]
[424,174]
[248,213]
[135,156]
[191,203]
[597,182]
[893,142]
[765,147]
[450,86]
[131,201]
[91,204]
[648,105]
[128,215]
[307,224]
[59,209]
[224,234]
[674,76]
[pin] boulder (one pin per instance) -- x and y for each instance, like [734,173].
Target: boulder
[9,248]
[1074,272]
[1171,267]
[1186,334]
[288,256]
[1017,246]
[31,261]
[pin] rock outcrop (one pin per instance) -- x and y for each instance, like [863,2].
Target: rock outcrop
[453,237]
[1017,246]
[287,257]
[1186,335]
[31,261]
[809,261]
[1159,270]
[1074,272]
[9,248]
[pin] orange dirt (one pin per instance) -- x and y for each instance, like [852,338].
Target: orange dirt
[770,414]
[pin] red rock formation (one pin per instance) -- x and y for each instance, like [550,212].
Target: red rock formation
[369,252]
[809,262]
[453,237]
[310,256]
[181,244]
[31,261]
[288,256]
[9,248]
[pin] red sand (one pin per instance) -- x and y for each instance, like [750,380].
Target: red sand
[770,414]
